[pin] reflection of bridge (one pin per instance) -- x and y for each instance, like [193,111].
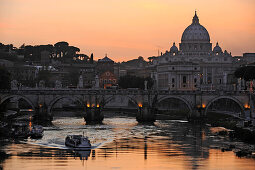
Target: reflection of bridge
[93,100]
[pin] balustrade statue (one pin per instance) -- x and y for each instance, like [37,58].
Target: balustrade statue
[80,84]
[58,84]
[41,84]
[14,84]
[145,85]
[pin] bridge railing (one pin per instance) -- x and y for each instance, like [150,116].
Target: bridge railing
[120,91]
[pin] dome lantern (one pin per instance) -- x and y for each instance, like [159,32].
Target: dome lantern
[195,19]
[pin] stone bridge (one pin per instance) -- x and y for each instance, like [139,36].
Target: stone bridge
[147,102]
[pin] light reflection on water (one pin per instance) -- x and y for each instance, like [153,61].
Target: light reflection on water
[122,143]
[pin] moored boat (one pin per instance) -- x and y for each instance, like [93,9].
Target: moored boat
[36,132]
[77,142]
[19,130]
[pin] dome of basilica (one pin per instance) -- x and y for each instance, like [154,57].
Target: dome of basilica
[217,48]
[174,49]
[195,32]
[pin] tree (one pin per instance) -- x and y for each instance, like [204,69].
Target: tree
[246,72]
[81,58]
[5,79]
[61,49]
[71,54]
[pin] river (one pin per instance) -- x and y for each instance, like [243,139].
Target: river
[122,143]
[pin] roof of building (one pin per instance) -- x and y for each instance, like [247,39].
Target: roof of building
[105,59]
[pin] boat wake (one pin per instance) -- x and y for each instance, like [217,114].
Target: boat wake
[58,146]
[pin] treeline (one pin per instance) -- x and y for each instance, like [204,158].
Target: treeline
[60,51]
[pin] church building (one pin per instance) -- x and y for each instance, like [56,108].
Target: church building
[195,65]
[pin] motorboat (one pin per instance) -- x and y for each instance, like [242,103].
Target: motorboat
[36,132]
[77,142]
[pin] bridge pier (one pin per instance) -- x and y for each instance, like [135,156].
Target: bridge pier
[41,115]
[146,114]
[93,115]
[197,115]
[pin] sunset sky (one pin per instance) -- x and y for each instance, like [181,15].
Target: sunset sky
[126,29]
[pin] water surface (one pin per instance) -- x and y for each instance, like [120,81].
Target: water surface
[122,143]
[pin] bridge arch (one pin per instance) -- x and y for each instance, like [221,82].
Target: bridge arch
[225,97]
[130,98]
[55,100]
[177,98]
[19,97]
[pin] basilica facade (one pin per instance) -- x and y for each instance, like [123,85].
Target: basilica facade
[195,64]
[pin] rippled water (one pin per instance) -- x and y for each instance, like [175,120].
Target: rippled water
[122,143]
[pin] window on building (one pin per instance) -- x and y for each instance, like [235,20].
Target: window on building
[172,80]
[172,68]
[184,79]
[173,85]
[195,80]
[209,80]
